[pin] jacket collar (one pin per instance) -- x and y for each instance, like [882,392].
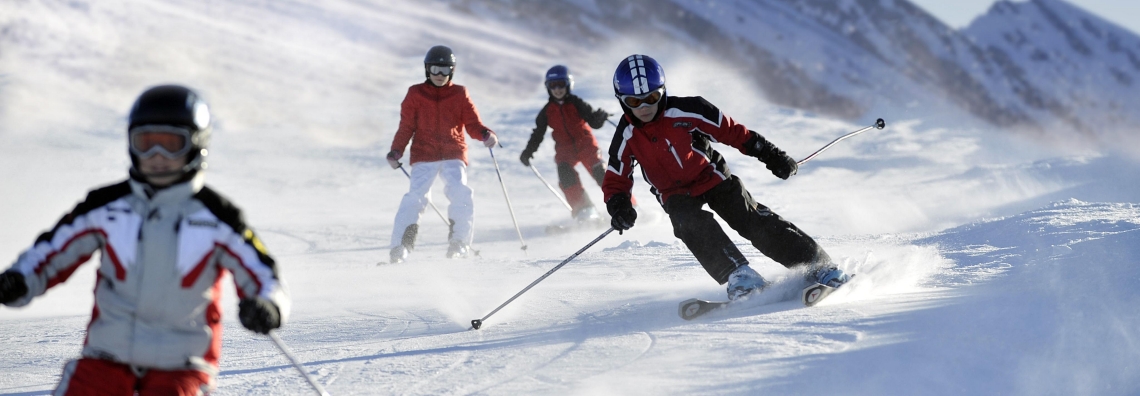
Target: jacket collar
[171,194]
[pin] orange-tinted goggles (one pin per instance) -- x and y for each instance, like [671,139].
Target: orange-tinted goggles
[635,101]
[170,141]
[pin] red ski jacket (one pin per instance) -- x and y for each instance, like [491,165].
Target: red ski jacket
[433,119]
[571,120]
[675,149]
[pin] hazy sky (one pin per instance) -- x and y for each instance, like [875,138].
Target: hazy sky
[960,13]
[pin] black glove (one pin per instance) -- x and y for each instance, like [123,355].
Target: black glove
[622,215]
[782,166]
[259,315]
[526,157]
[12,287]
[773,158]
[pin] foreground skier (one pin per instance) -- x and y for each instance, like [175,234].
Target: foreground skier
[165,240]
[671,137]
[433,117]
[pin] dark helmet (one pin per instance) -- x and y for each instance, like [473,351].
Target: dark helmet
[639,75]
[441,56]
[177,106]
[560,73]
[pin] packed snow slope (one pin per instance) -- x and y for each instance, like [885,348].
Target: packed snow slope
[986,264]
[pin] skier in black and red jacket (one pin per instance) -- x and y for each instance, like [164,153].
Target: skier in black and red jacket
[570,118]
[671,138]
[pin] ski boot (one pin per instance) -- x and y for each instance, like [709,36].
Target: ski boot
[743,282]
[587,215]
[828,275]
[458,249]
[398,254]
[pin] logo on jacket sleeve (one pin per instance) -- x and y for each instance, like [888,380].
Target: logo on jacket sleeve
[683,124]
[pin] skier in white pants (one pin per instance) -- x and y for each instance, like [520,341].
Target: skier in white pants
[433,117]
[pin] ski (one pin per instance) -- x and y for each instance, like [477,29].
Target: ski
[815,293]
[694,308]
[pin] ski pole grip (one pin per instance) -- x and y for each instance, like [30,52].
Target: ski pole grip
[880,124]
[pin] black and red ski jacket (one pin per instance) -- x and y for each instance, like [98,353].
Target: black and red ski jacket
[571,120]
[675,149]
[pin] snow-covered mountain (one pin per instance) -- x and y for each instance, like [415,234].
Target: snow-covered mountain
[1042,65]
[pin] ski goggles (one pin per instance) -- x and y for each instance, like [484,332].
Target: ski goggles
[557,84]
[168,140]
[440,70]
[636,101]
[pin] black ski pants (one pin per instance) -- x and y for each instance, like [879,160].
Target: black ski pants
[773,236]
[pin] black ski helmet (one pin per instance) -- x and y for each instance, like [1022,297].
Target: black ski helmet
[560,73]
[439,55]
[178,106]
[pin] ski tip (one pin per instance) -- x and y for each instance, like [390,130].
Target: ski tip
[690,309]
[476,324]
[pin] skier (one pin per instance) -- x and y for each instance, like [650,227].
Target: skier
[671,137]
[571,119]
[435,113]
[165,241]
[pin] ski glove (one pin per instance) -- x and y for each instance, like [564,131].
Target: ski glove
[622,215]
[259,315]
[526,157]
[489,139]
[394,159]
[12,287]
[773,158]
[783,167]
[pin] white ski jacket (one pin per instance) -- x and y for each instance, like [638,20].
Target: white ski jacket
[162,257]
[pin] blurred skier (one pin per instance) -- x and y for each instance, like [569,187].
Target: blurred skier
[433,117]
[165,241]
[571,119]
[671,137]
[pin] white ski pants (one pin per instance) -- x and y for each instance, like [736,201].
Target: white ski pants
[461,210]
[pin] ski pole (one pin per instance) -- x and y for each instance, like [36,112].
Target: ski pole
[611,123]
[445,221]
[477,323]
[509,207]
[296,363]
[879,124]
[556,194]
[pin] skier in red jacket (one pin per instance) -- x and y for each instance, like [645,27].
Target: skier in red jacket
[671,138]
[434,116]
[571,119]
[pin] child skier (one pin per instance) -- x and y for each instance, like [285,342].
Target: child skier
[165,240]
[671,137]
[571,119]
[435,113]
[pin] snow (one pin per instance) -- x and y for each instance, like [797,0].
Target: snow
[987,264]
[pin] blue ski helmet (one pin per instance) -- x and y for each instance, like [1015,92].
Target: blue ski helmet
[638,75]
[560,73]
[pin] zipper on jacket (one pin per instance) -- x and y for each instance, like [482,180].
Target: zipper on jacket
[674,151]
[566,129]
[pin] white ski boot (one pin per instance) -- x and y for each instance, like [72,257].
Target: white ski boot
[743,282]
[458,249]
[398,254]
[829,276]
